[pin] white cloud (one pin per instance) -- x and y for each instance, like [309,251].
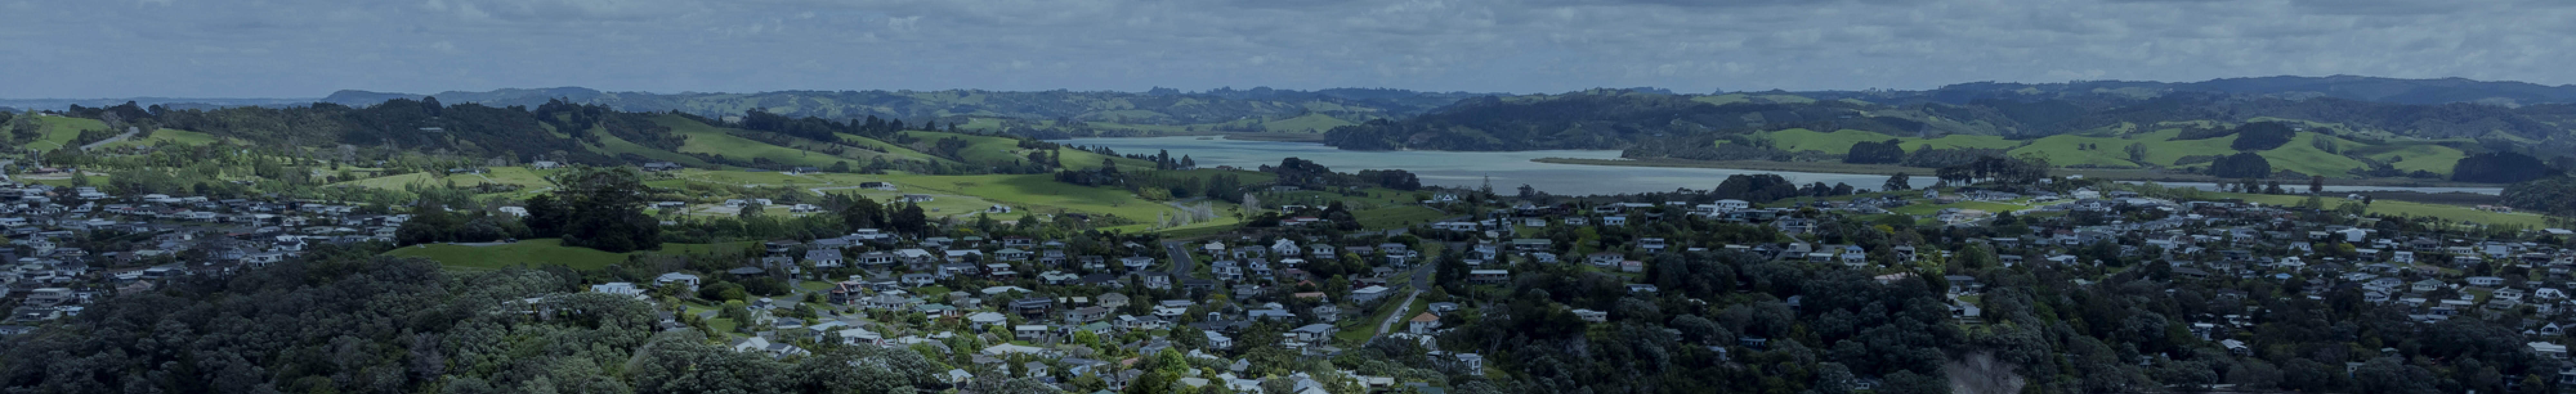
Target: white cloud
[311,47]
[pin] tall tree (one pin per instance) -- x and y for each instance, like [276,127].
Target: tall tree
[607,209]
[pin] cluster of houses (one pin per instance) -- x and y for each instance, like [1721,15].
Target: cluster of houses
[2432,275]
[879,273]
[51,272]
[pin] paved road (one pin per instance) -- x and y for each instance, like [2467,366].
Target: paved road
[1181,260]
[1420,282]
[109,140]
[1402,311]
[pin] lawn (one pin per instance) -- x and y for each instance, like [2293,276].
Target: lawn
[2405,208]
[59,131]
[537,252]
[528,179]
[1032,193]
[1840,142]
[182,137]
[991,150]
[1394,217]
[2063,150]
[1355,330]
[2411,157]
[2302,155]
[895,151]
[722,326]
[1930,209]
[611,145]
[714,141]
[532,252]
[2164,151]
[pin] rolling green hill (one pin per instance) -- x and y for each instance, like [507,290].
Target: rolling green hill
[1840,141]
[2308,152]
[991,150]
[713,140]
[59,131]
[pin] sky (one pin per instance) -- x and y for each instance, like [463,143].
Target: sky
[309,48]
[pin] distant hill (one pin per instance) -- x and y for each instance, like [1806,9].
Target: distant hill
[472,134]
[2338,137]
[1079,113]
[2372,89]
[170,102]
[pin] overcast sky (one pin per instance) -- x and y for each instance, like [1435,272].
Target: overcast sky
[308,48]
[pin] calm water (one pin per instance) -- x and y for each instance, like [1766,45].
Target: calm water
[1511,169]
[1468,169]
[2303,187]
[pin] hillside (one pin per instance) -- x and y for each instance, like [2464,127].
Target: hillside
[2338,137]
[1085,113]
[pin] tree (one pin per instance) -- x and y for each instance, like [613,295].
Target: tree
[1900,181]
[911,220]
[2259,136]
[2494,167]
[1875,152]
[546,216]
[2316,184]
[607,210]
[863,213]
[2137,152]
[2241,165]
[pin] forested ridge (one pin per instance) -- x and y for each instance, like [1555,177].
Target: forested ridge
[345,321]
[471,134]
[1682,126]
[1160,106]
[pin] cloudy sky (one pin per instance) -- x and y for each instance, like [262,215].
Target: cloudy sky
[308,48]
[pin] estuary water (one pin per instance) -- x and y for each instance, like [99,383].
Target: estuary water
[1510,170]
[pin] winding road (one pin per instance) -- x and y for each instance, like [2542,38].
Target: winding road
[129,132]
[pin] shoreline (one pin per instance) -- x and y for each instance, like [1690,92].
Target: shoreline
[2112,174]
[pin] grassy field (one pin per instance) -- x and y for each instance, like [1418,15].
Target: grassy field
[990,150]
[538,252]
[528,179]
[2065,150]
[895,151]
[1840,142]
[532,252]
[1394,217]
[714,141]
[2404,208]
[611,145]
[2108,148]
[1030,193]
[2162,150]
[182,137]
[2412,157]
[1930,209]
[59,131]
[2302,155]
[1308,123]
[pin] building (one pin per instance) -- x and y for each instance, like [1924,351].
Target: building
[1422,324]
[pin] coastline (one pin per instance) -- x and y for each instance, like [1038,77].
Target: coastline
[2114,174]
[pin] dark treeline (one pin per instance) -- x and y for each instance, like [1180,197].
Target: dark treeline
[1726,321]
[1886,152]
[342,321]
[2499,167]
[556,130]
